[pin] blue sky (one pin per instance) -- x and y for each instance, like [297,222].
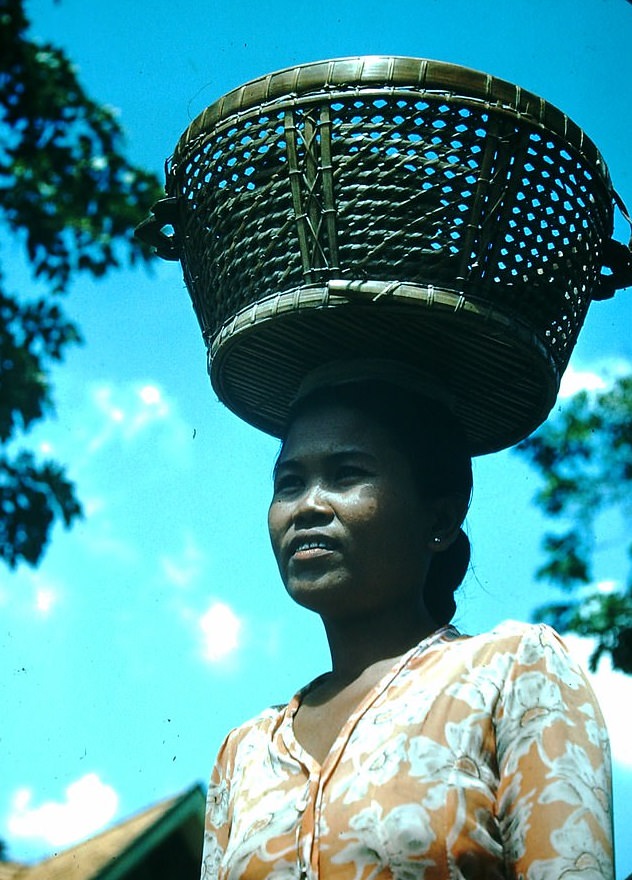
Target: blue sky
[159,621]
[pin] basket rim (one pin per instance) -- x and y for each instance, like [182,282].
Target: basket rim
[415,301]
[337,292]
[377,73]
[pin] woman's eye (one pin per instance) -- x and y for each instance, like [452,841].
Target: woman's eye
[286,484]
[349,473]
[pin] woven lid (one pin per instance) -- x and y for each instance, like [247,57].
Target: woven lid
[396,208]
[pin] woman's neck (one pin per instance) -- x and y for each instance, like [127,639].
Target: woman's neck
[357,643]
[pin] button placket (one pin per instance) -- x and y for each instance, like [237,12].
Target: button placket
[306,829]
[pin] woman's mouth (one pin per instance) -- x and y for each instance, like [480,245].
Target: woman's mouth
[308,549]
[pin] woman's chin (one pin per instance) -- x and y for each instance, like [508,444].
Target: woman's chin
[317,592]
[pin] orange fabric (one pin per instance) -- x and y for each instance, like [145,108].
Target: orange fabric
[474,757]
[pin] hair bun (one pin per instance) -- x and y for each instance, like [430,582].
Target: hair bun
[445,576]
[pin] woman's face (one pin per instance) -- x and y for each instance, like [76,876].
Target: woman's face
[350,531]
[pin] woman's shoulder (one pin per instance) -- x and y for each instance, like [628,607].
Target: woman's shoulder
[255,729]
[516,632]
[529,645]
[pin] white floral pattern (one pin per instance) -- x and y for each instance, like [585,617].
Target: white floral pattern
[482,757]
[396,842]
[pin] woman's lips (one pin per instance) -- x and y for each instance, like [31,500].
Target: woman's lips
[311,552]
[310,548]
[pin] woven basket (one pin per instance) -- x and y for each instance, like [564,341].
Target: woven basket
[390,207]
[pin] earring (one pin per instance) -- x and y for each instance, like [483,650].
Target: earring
[436,539]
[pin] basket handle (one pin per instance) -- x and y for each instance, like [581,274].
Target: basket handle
[617,257]
[152,229]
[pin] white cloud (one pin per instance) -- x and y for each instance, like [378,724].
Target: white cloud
[221,630]
[109,417]
[34,591]
[93,506]
[106,413]
[127,410]
[88,806]
[580,380]
[182,570]
[151,396]
[599,377]
[614,693]
[45,598]
[103,538]
[607,587]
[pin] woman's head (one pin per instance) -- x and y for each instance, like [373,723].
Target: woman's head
[420,486]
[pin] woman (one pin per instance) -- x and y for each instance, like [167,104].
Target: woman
[422,753]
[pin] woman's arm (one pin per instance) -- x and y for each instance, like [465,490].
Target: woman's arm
[554,797]
[217,820]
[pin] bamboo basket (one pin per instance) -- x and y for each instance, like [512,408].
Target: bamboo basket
[390,207]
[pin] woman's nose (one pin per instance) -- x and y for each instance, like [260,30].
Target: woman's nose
[313,505]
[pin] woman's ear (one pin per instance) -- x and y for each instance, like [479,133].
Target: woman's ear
[449,513]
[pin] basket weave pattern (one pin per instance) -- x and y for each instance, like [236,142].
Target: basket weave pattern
[396,208]
[380,186]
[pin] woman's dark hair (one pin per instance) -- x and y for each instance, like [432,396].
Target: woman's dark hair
[434,442]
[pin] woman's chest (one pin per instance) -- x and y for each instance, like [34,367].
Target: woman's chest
[316,726]
[389,795]
[329,712]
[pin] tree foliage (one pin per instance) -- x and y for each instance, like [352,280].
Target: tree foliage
[69,200]
[584,455]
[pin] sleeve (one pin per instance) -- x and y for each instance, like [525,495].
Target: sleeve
[217,817]
[554,797]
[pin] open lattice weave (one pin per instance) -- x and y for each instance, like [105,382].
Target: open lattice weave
[393,207]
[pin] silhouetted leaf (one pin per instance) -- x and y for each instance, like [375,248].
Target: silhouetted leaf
[70,200]
[584,456]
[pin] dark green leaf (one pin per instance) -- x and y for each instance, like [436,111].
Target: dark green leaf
[70,200]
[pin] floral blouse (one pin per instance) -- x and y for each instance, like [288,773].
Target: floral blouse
[474,757]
